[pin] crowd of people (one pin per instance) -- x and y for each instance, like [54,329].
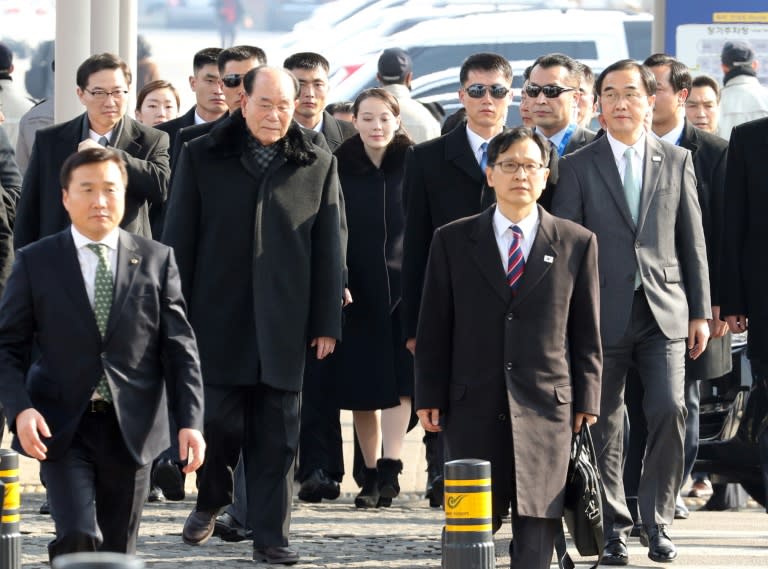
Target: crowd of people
[206,291]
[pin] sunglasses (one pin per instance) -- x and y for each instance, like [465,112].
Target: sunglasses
[232,80]
[478,90]
[550,91]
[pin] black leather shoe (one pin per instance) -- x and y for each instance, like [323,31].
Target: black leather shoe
[318,486]
[660,547]
[169,479]
[227,528]
[198,527]
[636,530]
[155,495]
[681,510]
[276,555]
[615,553]
[45,508]
[435,490]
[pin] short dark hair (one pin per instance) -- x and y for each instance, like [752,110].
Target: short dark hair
[250,78]
[206,56]
[306,60]
[648,78]
[240,53]
[559,60]
[100,62]
[587,75]
[90,156]
[485,62]
[707,81]
[154,86]
[339,107]
[502,141]
[527,73]
[679,75]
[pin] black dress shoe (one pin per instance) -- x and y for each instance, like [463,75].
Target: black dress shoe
[169,479]
[155,495]
[660,547]
[45,508]
[198,527]
[227,528]
[615,553]
[276,555]
[435,489]
[318,486]
[636,530]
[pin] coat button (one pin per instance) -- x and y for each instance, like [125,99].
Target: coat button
[103,355]
[508,366]
[510,316]
[637,244]
[502,416]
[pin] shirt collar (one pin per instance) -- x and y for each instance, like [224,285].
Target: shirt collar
[527,225]
[674,135]
[319,126]
[82,241]
[618,148]
[199,119]
[556,138]
[112,136]
[475,140]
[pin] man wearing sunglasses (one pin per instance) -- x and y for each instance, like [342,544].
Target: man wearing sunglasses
[638,195]
[444,180]
[553,94]
[102,87]
[233,63]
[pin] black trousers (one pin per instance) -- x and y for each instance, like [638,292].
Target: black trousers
[263,422]
[320,443]
[96,490]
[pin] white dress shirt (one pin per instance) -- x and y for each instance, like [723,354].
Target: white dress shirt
[475,142]
[673,136]
[503,233]
[89,260]
[618,148]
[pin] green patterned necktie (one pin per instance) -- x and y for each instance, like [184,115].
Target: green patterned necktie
[102,303]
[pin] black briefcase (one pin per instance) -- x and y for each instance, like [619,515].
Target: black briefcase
[584,499]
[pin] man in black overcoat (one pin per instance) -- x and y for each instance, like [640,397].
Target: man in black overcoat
[254,220]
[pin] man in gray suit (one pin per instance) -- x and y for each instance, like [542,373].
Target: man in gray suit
[638,195]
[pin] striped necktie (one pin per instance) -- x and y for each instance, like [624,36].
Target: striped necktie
[515,259]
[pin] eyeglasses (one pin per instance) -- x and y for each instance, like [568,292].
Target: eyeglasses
[101,94]
[550,91]
[232,80]
[478,90]
[612,97]
[511,167]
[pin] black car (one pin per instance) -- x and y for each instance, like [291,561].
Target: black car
[733,423]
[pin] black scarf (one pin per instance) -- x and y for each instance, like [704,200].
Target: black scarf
[737,70]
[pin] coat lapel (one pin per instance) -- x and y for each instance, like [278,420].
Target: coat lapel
[606,166]
[458,151]
[652,165]
[128,137]
[128,263]
[72,278]
[541,258]
[486,255]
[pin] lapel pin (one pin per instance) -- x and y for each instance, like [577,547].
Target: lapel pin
[134,261]
[548,258]
[656,158]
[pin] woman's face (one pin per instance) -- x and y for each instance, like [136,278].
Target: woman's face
[376,123]
[158,106]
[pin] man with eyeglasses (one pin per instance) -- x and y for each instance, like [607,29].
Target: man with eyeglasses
[508,348]
[553,91]
[254,219]
[233,63]
[638,195]
[102,87]
[443,182]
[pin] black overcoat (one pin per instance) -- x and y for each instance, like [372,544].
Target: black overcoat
[260,255]
[373,367]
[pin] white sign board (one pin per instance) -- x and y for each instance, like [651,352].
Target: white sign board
[699,46]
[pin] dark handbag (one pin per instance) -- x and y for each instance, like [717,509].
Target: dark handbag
[583,501]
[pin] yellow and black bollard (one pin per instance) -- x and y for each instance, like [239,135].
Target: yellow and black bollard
[468,536]
[10,534]
[97,560]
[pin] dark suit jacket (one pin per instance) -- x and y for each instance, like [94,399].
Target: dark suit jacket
[148,338]
[667,245]
[10,177]
[261,269]
[336,131]
[745,239]
[172,127]
[709,153]
[580,137]
[509,372]
[145,152]
[190,133]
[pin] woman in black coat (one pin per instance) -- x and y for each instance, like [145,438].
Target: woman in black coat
[375,370]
